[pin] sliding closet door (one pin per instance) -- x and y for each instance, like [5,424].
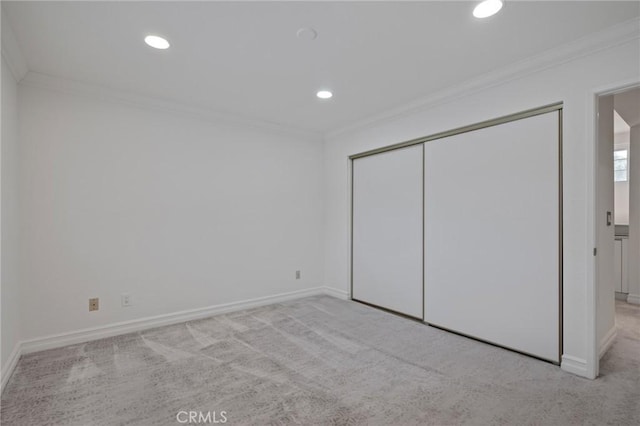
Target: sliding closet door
[492,234]
[387,226]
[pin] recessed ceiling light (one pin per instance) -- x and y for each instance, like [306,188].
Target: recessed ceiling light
[156,42]
[324,94]
[487,8]
[307,34]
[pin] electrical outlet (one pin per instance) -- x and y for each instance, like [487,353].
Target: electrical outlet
[126,299]
[94,304]
[297,275]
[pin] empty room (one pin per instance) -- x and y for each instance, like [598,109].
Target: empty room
[320,213]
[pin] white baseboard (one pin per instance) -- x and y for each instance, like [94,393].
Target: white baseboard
[621,296]
[7,369]
[633,298]
[95,333]
[574,365]
[340,294]
[607,341]
[89,334]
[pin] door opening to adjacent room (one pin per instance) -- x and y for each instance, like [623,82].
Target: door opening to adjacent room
[617,223]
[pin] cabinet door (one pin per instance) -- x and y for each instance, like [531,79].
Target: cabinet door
[617,269]
[625,265]
[387,230]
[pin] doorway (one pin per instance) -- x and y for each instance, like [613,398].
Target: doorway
[617,223]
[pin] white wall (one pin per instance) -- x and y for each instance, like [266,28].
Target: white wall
[10,289]
[178,212]
[621,141]
[571,82]
[634,217]
[605,233]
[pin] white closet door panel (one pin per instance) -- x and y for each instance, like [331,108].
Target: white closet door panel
[387,230]
[492,261]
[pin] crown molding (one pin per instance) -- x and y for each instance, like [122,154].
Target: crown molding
[585,46]
[10,51]
[608,38]
[106,94]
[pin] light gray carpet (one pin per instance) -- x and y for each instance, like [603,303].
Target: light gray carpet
[318,361]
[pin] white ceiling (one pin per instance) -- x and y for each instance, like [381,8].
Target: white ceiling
[244,58]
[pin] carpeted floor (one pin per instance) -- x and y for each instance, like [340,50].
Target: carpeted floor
[318,361]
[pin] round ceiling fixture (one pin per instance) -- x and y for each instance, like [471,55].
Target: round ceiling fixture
[307,34]
[487,8]
[324,94]
[157,42]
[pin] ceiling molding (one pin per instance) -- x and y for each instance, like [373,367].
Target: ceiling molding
[613,36]
[11,52]
[106,94]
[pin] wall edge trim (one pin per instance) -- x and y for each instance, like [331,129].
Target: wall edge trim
[10,366]
[115,329]
[590,44]
[124,327]
[575,365]
[335,292]
[149,102]
[634,299]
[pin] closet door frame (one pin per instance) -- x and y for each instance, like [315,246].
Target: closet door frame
[558,107]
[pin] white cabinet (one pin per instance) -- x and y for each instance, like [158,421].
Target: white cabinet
[621,258]
[617,269]
[625,267]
